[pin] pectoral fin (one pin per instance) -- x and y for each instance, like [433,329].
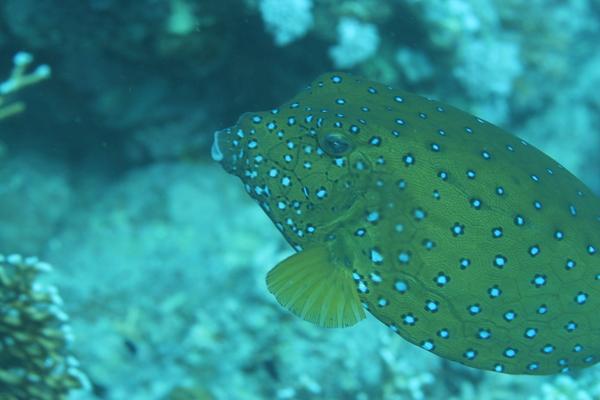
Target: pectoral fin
[315,288]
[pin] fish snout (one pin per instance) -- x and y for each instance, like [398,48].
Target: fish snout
[221,149]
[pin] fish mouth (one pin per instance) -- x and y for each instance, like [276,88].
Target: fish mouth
[222,150]
[215,150]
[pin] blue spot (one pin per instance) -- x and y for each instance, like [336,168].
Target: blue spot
[372,90]
[428,244]
[570,264]
[321,193]
[398,99]
[291,121]
[376,256]
[443,175]
[441,280]
[399,121]
[427,345]
[381,302]
[373,216]
[510,315]
[360,232]
[571,326]
[422,115]
[419,214]
[534,250]
[308,118]
[519,220]
[559,235]
[404,257]
[486,155]
[500,261]
[441,132]
[500,191]
[470,354]
[457,229]
[435,147]
[499,368]
[474,309]
[577,348]
[510,148]
[471,174]
[539,280]
[573,210]
[509,352]
[468,130]
[401,286]
[484,334]
[581,298]
[497,233]
[432,306]
[464,263]
[340,101]
[547,349]
[409,319]
[537,205]
[591,250]
[354,129]
[535,178]
[256,119]
[408,160]
[443,333]
[476,204]
[533,366]
[588,359]
[375,277]
[543,309]
[562,362]
[336,79]
[530,333]
[375,141]
[494,291]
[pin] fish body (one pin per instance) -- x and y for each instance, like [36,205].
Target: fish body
[462,238]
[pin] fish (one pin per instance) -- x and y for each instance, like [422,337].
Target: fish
[460,237]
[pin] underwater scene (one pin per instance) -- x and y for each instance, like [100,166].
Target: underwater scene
[299,199]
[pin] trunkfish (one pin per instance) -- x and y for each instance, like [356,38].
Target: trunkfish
[460,237]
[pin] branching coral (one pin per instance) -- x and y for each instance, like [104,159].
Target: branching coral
[17,80]
[35,360]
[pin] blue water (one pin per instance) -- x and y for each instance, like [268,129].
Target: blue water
[159,255]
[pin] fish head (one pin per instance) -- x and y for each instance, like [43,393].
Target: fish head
[302,162]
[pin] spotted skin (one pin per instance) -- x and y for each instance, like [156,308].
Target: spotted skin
[462,238]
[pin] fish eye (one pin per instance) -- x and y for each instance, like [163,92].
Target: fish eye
[336,144]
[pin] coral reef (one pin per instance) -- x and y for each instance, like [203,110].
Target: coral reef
[286,20]
[35,196]
[35,338]
[18,79]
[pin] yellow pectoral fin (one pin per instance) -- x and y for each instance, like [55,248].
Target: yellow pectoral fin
[316,289]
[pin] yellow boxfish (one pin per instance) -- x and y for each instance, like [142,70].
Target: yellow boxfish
[462,238]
